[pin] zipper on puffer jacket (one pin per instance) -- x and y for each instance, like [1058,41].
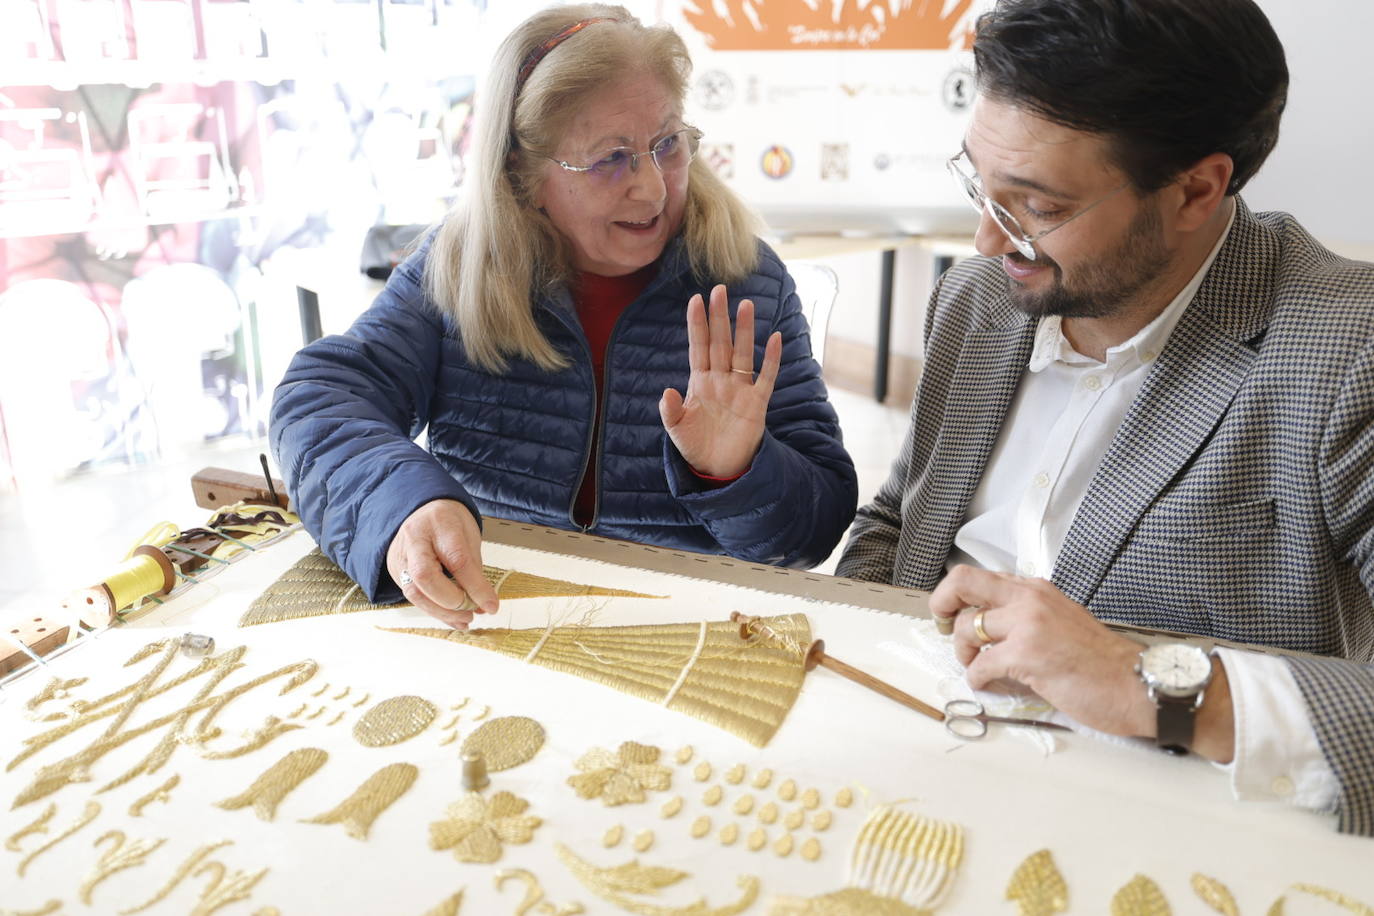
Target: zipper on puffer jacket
[599,404]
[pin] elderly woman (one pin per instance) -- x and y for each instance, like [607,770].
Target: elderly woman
[545,333]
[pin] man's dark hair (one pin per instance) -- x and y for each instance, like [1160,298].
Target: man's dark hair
[1167,82]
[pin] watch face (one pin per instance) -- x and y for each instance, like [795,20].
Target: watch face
[1176,669]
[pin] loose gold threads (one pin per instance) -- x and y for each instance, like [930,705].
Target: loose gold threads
[92,811]
[506,742]
[375,795]
[116,858]
[393,721]
[161,794]
[276,782]
[613,836]
[37,825]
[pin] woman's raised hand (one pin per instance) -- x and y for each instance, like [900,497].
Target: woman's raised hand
[718,427]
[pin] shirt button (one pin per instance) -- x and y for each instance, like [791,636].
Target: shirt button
[1282,785]
[1042,480]
[1092,383]
[1026,568]
[1149,356]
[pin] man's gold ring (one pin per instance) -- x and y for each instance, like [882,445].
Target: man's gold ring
[978,630]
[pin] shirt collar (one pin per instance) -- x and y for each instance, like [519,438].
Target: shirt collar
[1052,346]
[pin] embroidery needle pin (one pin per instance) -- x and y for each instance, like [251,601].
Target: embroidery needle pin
[815,655]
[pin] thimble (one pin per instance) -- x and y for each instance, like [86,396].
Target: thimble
[196,645]
[474,771]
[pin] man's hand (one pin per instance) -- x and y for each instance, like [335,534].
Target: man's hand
[441,536]
[719,426]
[1056,647]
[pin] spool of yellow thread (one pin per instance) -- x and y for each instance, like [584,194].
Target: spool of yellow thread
[146,572]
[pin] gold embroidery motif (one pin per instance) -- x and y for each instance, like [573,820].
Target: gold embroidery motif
[393,721]
[744,687]
[256,739]
[90,814]
[450,739]
[621,777]
[342,695]
[338,718]
[820,821]
[757,839]
[447,907]
[783,845]
[219,892]
[452,723]
[643,840]
[613,836]
[811,849]
[297,711]
[794,819]
[182,870]
[476,827]
[735,775]
[116,858]
[684,755]
[56,689]
[844,798]
[701,826]
[850,901]
[276,782]
[1140,897]
[363,699]
[161,794]
[316,714]
[744,804]
[615,884]
[1336,897]
[712,796]
[728,834]
[762,778]
[810,799]
[486,710]
[672,806]
[906,857]
[1037,887]
[702,772]
[534,895]
[461,704]
[359,810]
[1213,893]
[506,742]
[52,906]
[788,790]
[768,814]
[37,825]
[321,691]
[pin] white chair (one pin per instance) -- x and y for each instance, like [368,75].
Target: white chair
[817,287]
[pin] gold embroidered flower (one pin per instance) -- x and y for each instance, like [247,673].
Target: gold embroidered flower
[476,827]
[620,777]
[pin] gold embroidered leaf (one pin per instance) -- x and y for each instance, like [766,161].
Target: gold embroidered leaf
[1141,897]
[632,752]
[1215,894]
[651,776]
[504,804]
[633,878]
[516,829]
[481,845]
[1037,887]
[590,785]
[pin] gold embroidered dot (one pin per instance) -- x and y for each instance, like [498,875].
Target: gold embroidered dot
[783,845]
[672,806]
[506,742]
[684,754]
[788,790]
[735,775]
[768,814]
[393,721]
[613,836]
[744,804]
[810,799]
[794,819]
[643,840]
[702,772]
[820,820]
[811,849]
[762,778]
[757,839]
[713,795]
[844,798]
[728,834]
[701,826]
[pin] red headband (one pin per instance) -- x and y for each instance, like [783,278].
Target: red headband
[542,51]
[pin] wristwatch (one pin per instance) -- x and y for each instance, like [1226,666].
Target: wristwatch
[1175,675]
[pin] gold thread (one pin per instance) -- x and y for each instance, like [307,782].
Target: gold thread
[342,695]
[450,739]
[486,710]
[37,825]
[844,798]
[701,826]
[758,838]
[613,836]
[316,714]
[768,814]
[1038,888]
[687,668]
[321,690]
[363,699]
[643,840]
[257,738]
[219,892]
[788,790]
[712,796]
[461,704]
[449,906]
[506,742]
[162,793]
[622,777]
[337,718]
[393,721]
[744,804]
[614,885]
[702,772]
[56,689]
[820,821]
[672,806]
[267,791]
[1336,897]
[1140,897]
[684,755]
[735,775]
[177,876]
[116,858]
[728,834]
[90,814]
[906,857]
[297,711]
[534,895]
[762,778]
[375,795]
[452,723]
[811,849]
[475,827]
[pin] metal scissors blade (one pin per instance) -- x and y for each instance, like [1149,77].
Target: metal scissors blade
[968,719]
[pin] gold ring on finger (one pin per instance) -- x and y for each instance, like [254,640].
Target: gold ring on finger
[982,634]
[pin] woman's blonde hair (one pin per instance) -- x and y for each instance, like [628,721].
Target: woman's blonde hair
[496,252]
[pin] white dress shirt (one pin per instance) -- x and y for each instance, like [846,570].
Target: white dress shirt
[1066,412]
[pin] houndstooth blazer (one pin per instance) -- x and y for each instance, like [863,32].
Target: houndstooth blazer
[1235,501]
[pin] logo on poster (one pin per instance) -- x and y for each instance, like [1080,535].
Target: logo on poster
[834,162]
[715,90]
[720,157]
[777,162]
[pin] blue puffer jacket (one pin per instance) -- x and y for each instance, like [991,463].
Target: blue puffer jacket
[516,445]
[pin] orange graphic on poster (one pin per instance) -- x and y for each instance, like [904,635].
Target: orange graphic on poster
[800,25]
[777,162]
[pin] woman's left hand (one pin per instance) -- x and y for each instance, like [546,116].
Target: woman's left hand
[718,428]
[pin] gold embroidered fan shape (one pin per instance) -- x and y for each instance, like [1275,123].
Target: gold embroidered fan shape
[316,587]
[702,669]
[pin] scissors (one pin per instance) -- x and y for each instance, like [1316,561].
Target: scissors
[968,720]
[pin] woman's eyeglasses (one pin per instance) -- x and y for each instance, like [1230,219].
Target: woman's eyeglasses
[671,153]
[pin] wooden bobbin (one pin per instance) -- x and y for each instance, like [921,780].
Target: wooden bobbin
[97,606]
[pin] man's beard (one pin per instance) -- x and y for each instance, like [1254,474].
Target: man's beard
[1100,288]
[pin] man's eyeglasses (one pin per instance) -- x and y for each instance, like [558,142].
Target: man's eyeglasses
[671,153]
[1011,226]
